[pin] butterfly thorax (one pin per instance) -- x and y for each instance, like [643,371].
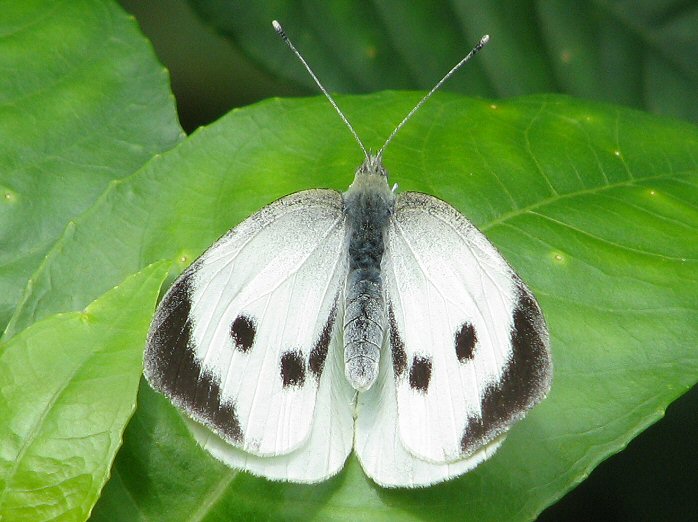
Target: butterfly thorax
[368,205]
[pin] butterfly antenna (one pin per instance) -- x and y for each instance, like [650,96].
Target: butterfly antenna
[280,31]
[436,87]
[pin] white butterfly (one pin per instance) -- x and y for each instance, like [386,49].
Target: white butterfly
[368,320]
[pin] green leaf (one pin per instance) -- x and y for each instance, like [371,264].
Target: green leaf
[68,387]
[593,205]
[83,101]
[636,53]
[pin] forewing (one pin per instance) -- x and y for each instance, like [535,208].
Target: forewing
[239,342]
[469,344]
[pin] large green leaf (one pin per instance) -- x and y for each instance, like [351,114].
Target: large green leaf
[82,102]
[611,259]
[595,206]
[639,53]
[68,387]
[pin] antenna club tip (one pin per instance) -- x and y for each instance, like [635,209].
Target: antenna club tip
[277,26]
[484,39]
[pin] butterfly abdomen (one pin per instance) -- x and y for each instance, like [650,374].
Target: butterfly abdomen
[367,210]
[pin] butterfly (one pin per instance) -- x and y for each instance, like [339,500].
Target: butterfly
[380,322]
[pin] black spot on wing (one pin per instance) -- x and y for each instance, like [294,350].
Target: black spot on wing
[292,369]
[172,368]
[465,340]
[397,347]
[243,331]
[420,373]
[318,354]
[524,382]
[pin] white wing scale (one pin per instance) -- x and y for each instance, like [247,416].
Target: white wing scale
[240,340]
[325,451]
[380,449]
[468,342]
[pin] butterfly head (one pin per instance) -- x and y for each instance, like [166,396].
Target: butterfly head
[373,166]
[371,176]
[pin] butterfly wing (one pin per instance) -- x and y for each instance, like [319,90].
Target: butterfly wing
[240,340]
[469,345]
[380,449]
[331,437]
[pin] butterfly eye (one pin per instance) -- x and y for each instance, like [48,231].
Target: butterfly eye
[292,369]
[243,331]
[465,342]
[420,373]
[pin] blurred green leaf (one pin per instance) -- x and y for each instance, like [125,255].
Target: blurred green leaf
[83,101]
[594,205]
[68,388]
[635,53]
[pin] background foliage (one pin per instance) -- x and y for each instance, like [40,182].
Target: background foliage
[94,107]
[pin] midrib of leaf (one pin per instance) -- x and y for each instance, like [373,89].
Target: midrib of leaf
[211,498]
[600,239]
[654,215]
[31,439]
[527,142]
[47,13]
[506,216]
[116,475]
[69,229]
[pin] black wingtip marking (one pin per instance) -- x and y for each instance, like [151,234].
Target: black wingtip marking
[397,347]
[169,340]
[316,360]
[465,340]
[420,373]
[524,382]
[215,413]
[243,331]
[292,369]
[172,368]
